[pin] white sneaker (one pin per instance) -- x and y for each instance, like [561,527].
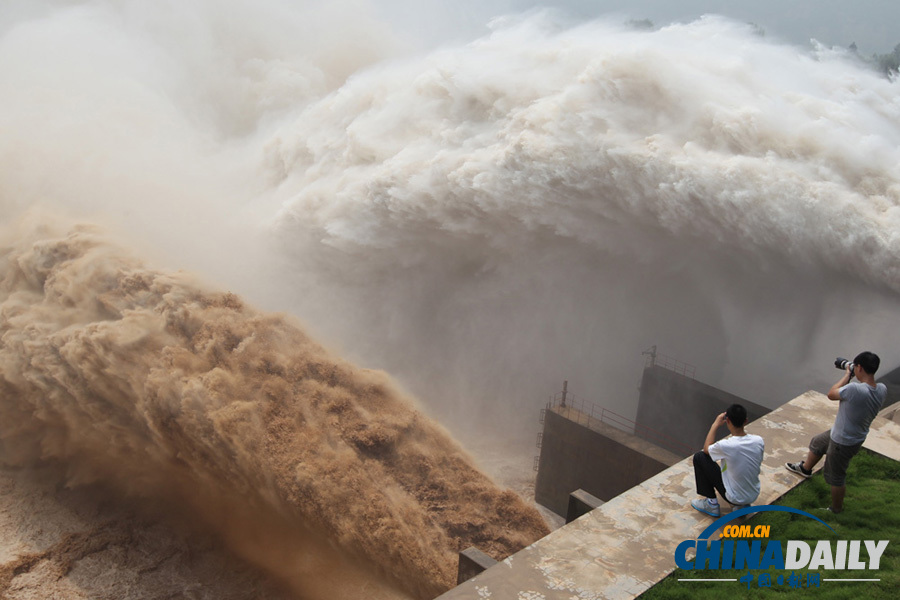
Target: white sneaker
[706,507]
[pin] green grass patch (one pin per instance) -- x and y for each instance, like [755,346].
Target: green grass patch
[871,512]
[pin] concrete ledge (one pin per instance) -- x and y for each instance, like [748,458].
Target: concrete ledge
[472,561]
[626,546]
[884,434]
[581,503]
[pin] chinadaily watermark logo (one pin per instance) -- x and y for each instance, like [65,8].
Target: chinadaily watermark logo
[798,564]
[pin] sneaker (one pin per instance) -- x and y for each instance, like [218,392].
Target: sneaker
[797,468]
[706,507]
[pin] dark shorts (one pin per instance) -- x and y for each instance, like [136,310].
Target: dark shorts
[837,457]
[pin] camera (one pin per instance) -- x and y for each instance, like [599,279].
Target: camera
[844,364]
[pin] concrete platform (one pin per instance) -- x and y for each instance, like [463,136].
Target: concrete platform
[626,546]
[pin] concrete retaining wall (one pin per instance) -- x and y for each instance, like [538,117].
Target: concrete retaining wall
[595,459]
[680,409]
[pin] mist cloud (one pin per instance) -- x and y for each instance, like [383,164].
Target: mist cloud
[563,198]
[482,219]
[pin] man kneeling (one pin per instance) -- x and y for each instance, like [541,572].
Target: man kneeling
[737,480]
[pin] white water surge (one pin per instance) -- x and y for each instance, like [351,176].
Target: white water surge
[544,203]
[483,220]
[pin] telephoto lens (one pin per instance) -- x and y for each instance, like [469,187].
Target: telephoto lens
[844,364]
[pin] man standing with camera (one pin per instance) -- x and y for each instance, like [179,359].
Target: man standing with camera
[859,404]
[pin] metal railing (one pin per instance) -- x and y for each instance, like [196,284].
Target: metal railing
[587,413]
[654,358]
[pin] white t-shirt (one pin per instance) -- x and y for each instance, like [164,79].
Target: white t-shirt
[741,458]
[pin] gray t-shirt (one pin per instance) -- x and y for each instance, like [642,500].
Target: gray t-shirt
[859,404]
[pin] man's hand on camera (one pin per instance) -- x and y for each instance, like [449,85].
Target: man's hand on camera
[711,434]
[835,392]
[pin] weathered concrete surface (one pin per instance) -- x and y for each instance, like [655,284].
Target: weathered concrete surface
[884,435]
[626,546]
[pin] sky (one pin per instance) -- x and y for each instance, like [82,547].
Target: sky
[871,24]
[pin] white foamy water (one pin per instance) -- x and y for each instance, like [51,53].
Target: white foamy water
[544,203]
[483,220]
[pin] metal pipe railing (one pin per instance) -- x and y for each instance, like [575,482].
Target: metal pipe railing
[586,413]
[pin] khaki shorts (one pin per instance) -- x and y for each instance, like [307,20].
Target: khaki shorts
[837,457]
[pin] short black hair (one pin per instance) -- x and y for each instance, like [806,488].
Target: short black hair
[869,362]
[737,415]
